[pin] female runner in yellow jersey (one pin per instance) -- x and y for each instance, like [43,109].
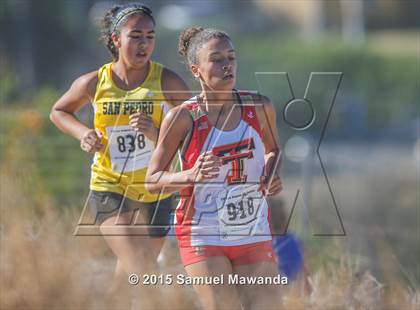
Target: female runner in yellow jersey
[129,96]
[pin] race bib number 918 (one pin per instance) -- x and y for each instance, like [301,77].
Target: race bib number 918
[129,150]
[239,209]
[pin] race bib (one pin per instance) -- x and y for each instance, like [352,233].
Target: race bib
[129,150]
[239,209]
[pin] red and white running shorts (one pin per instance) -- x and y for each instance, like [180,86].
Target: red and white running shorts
[239,254]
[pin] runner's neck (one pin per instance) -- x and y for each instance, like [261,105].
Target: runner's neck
[217,103]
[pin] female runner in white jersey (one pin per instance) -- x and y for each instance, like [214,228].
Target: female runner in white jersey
[129,97]
[229,151]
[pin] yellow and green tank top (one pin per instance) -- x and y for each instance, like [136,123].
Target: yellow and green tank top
[121,166]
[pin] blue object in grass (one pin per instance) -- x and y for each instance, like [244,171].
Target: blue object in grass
[289,255]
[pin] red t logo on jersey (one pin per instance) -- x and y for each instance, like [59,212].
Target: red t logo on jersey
[232,153]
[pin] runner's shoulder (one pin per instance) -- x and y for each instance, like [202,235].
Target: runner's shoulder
[262,102]
[86,84]
[174,87]
[181,115]
[170,79]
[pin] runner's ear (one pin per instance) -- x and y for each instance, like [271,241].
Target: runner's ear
[116,40]
[195,71]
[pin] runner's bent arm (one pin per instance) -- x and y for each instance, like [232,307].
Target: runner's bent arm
[267,116]
[80,93]
[175,128]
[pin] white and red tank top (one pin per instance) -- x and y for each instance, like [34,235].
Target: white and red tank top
[227,210]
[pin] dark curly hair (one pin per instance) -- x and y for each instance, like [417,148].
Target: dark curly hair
[193,38]
[115,18]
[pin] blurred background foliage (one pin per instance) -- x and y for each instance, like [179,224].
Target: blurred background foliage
[47,44]
[371,142]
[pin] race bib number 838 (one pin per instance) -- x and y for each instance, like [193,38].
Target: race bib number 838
[129,150]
